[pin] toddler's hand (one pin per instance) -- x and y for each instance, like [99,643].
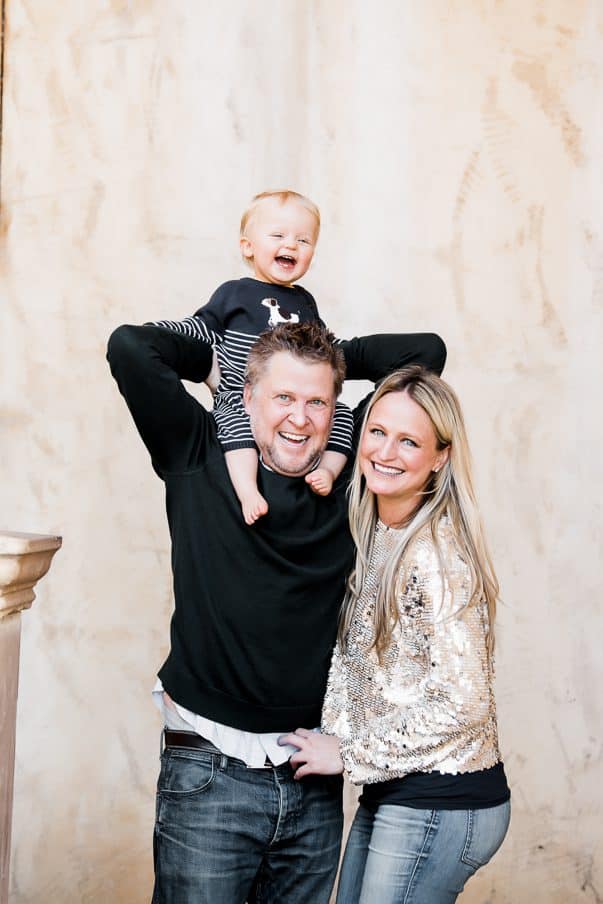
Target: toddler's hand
[321,481]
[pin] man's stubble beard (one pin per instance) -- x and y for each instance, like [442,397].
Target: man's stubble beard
[270,457]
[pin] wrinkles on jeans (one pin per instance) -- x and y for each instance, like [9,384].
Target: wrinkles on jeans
[400,855]
[176,781]
[226,833]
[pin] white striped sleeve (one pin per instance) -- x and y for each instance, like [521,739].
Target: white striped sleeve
[192,326]
[340,439]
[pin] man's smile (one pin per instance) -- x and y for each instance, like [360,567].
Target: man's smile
[295,438]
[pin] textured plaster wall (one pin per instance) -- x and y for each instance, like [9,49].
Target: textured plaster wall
[454,148]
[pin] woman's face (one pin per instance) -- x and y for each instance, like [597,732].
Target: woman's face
[397,454]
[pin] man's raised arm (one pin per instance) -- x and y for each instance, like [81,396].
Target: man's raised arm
[374,357]
[149,364]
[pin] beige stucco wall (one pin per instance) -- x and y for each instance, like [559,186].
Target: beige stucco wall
[455,150]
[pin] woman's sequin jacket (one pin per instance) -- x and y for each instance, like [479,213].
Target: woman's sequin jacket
[429,706]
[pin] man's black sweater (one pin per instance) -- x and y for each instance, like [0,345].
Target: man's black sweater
[255,607]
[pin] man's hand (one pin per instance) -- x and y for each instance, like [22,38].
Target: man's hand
[213,378]
[318,754]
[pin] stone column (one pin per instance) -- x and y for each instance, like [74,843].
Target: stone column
[24,559]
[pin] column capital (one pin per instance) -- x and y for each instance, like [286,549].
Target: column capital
[24,559]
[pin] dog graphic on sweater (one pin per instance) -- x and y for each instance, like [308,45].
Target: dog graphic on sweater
[276,315]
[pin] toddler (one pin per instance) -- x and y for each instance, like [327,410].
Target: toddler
[278,236]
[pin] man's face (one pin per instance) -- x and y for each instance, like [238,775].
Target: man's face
[291,410]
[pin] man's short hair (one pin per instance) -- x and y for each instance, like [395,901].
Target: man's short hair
[309,342]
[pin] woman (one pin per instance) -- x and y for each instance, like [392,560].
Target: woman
[409,711]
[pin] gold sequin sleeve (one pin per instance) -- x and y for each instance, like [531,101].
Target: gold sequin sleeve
[429,705]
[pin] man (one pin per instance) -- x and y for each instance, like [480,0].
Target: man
[255,609]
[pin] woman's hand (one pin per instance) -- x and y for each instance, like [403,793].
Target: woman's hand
[318,754]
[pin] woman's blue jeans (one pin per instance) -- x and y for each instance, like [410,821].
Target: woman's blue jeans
[226,834]
[399,855]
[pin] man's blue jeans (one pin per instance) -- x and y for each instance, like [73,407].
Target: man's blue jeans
[226,834]
[399,855]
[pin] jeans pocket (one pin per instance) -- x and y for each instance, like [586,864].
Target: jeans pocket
[486,830]
[184,776]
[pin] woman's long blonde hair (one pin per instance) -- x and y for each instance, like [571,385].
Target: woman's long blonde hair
[449,491]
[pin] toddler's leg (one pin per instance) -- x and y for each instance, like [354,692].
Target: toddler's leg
[321,479]
[242,467]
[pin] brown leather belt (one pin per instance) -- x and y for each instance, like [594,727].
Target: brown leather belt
[188,739]
[194,741]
